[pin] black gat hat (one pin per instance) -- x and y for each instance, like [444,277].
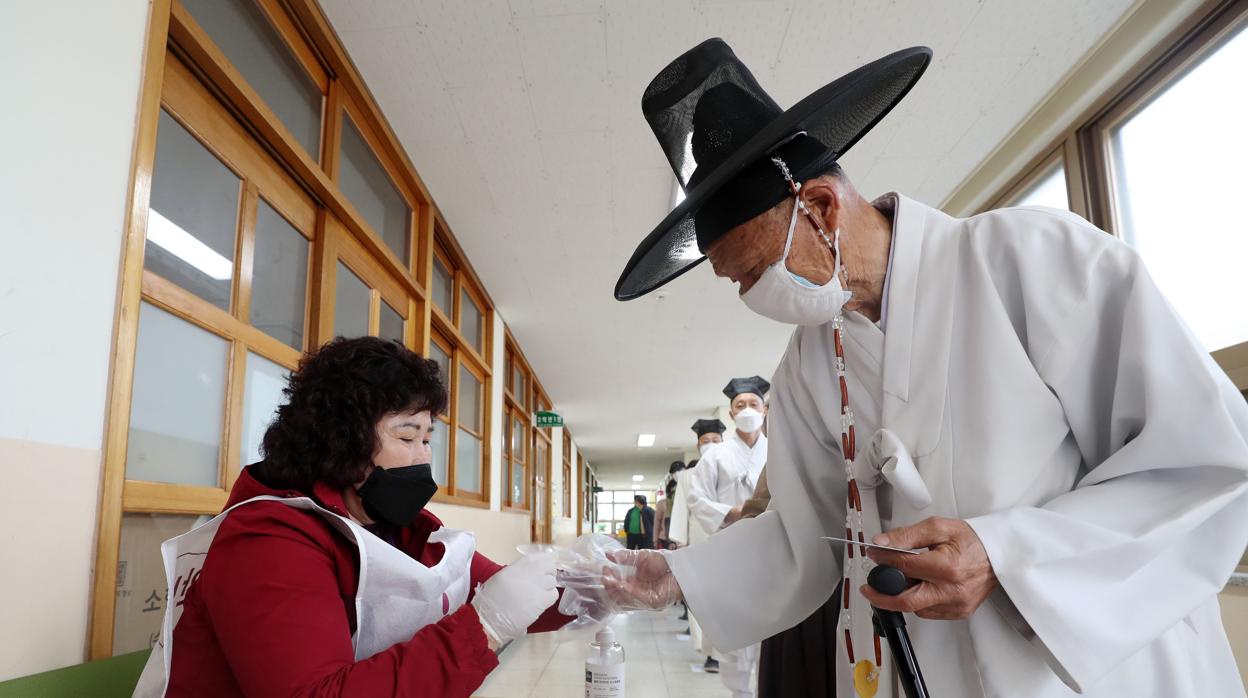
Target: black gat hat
[718,128]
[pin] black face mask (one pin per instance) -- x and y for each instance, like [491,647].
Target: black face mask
[397,495]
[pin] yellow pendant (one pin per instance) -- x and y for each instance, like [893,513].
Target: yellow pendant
[866,678]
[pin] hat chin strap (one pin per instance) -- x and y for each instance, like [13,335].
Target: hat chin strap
[833,243]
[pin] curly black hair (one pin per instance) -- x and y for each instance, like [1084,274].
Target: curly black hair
[326,429]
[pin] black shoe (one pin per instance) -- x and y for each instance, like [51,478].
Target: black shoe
[711,666]
[687,631]
[684,616]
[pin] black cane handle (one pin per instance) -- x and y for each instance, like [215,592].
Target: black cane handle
[892,625]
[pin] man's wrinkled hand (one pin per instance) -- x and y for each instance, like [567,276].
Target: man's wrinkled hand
[650,586]
[954,575]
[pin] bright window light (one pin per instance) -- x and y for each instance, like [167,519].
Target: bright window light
[636,487]
[645,440]
[186,247]
[1049,190]
[638,478]
[1173,159]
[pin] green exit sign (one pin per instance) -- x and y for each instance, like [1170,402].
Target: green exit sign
[548,419]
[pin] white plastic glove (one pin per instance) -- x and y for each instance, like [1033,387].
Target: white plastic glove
[643,581]
[515,596]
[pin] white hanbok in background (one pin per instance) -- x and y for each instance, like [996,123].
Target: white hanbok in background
[1051,397]
[724,478]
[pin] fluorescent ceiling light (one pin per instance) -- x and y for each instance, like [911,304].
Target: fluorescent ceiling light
[638,478]
[187,247]
[645,440]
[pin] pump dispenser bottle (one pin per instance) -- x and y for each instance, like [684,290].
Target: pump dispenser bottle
[604,668]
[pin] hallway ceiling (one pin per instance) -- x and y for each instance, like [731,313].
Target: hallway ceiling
[523,119]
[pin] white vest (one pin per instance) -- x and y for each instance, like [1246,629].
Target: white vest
[396,595]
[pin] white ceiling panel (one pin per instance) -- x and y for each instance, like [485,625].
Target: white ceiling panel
[524,120]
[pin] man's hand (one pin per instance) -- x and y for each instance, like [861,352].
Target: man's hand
[651,586]
[955,575]
[733,516]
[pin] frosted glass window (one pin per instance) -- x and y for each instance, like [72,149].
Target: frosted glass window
[518,432]
[442,286]
[193,216]
[279,284]
[391,326]
[142,589]
[469,400]
[519,385]
[366,184]
[262,394]
[1049,190]
[247,38]
[443,360]
[1178,166]
[438,444]
[467,463]
[471,322]
[517,484]
[351,300]
[178,401]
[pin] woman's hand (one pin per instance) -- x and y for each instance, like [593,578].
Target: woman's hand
[515,596]
[651,586]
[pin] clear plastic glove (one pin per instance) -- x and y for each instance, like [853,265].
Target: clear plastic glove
[515,596]
[642,581]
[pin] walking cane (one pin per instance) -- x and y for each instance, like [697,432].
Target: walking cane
[892,625]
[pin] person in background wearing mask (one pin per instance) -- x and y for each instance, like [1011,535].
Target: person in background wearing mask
[724,479]
[663,509]
[278,606]
[710,432]
[1010,394]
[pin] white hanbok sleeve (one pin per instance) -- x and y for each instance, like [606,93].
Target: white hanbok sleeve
[679,529]
[704,506]
[1159,518]
[763,575]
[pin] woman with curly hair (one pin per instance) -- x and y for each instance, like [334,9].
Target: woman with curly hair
[325,576]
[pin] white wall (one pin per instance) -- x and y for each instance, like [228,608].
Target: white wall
[67,136]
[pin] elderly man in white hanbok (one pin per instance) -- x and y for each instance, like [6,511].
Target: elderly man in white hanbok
[1033,414]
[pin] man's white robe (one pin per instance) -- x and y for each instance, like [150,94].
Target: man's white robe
[724,478]
[1051,397]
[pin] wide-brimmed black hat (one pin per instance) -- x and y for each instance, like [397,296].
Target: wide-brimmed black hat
[753,384]
[708,426]
[718,128]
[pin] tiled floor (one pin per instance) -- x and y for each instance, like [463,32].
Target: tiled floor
[657,663]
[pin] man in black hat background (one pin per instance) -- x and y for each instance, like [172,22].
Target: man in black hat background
[1009,394]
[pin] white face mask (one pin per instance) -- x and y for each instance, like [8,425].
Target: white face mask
[783,296]
[749,420]
[703,448]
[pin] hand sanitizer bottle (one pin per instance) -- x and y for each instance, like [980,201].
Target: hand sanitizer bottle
[604,668]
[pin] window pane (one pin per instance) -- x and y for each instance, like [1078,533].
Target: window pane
[602,498]
[621,510]
[178,401]
[442,285]
[280,281]
[438,443]
[520,381]
[262,394]
[467,463]
[391,326]
[1187,146]
[256,49]
[1049,190]
[471,323]
[517,484]
[518,434]
[141,583]
[193,216]
[469,400]
[444,362]
[351,298]
[366,184]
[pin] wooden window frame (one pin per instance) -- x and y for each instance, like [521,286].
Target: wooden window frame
[1084,146]
[176,44]
[566,508]
[517,406]
[1032,174]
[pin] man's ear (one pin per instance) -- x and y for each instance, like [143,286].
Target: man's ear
[824,199]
